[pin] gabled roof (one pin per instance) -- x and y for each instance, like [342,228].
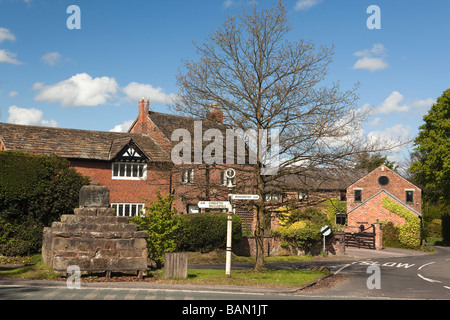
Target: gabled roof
[75,143]
[390,195]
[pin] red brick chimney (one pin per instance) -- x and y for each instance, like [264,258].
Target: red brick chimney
[215,113]
[143,109]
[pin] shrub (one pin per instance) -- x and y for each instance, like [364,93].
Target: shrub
[35,190]
[161,223]
[446,224]
[303,232]
[205,232]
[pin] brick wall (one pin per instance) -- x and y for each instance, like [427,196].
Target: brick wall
[371,211]
[125,191]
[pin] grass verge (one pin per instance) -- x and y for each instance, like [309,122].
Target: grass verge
[268,278]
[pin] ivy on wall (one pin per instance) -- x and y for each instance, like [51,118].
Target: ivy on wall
[409,232]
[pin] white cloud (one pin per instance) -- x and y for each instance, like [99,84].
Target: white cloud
[227,3]
[123,127]
[8,57]
[398,135]
[306,4]
[5,34]
[51,58]
[394,103]
[426,104]
[135,91]
[12,94]
[18,115]
[371,59]
[80,90]
[397,132]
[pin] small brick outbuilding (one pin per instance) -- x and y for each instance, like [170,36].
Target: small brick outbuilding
[365,197]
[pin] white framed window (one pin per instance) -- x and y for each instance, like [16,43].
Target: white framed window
[272,197]
[187,176]
[128,209]
[409,195]
[129,171]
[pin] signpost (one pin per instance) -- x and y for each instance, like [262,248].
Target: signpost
[325,231]
[244,197]
[214,204]
[230,173]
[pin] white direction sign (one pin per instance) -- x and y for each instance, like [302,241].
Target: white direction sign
[214,204]
[244,197]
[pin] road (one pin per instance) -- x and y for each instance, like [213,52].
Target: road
[425,276]
[410,277]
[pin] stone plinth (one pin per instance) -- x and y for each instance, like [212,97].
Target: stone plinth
[95,239]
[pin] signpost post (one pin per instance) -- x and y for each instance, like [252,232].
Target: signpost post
[229,174]
[325,231]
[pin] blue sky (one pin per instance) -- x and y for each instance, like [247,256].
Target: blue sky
[91,78]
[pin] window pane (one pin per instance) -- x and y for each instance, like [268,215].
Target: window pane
[140,170]
[409,196]
[115,170]
[128,166]
[135,170]
[122,170]
[120,210]
[127,210]
[358,195]
[133,210]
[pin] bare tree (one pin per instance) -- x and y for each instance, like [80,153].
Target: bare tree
[263,81]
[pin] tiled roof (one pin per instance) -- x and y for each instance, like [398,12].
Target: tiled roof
[168,123]
[317,179]
[75,143]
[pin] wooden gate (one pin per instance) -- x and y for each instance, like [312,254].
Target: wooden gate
[363,239]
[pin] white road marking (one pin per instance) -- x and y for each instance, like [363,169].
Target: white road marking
[427,279]
[345,266]
[447,287]
[425,265]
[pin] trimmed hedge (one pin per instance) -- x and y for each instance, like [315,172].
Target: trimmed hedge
[34,191]
[204,232]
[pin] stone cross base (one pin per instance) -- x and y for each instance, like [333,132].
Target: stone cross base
[95,240]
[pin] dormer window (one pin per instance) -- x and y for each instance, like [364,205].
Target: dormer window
[129,163]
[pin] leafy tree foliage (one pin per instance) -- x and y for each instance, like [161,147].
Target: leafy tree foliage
[432,170]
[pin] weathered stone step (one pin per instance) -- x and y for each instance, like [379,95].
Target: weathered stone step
[109,227]
[71,218]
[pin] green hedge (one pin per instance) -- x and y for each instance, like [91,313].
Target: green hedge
[205,232]
[34,191]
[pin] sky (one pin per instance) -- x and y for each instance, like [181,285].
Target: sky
[86,67]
